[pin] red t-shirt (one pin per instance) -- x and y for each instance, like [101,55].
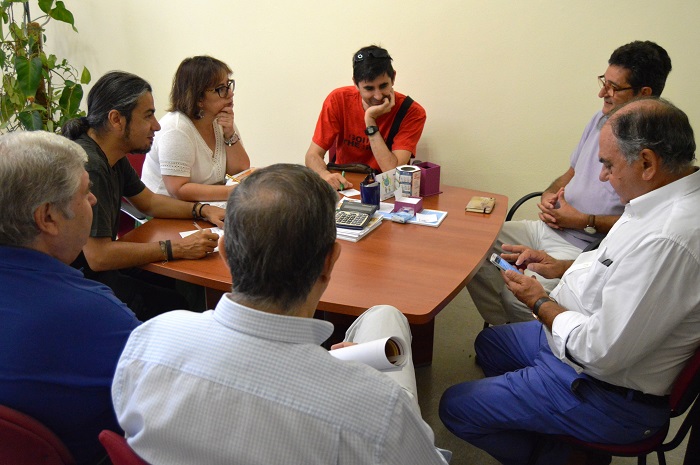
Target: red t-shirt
[342,119]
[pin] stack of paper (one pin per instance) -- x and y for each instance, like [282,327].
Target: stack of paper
[354,235]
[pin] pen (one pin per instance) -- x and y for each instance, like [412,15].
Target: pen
[342,187]
[196,225]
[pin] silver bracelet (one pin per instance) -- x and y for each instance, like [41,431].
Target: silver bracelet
[233,140]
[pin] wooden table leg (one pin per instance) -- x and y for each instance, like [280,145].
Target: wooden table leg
[423,336]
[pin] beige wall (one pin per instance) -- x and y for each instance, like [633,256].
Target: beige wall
[508,85]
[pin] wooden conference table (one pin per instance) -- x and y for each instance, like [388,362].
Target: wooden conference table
[418,269]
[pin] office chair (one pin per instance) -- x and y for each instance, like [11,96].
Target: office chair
[26,441]
[684,395]
[520,202]
[119,450]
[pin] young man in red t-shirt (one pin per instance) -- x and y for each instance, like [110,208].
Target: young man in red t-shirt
[357,120]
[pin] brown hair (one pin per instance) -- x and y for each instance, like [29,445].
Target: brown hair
[193,77]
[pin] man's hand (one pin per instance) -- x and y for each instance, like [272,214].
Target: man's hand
[340,345]
[536,261]
[335,180]
[375,111]
[214,215]
[550,199]
[562,217]
[195,245]
[526,289]
[225,119]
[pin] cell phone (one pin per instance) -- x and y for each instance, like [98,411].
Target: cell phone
[502,264]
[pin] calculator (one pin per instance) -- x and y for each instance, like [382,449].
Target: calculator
[354,215]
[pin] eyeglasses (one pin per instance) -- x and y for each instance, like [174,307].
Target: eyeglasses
[223,90]
[604,84]
[378,53]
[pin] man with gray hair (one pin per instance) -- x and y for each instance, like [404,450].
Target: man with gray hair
[249,382]
[624,320]
[61,334]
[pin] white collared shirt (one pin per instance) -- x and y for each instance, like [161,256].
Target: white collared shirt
[634,303]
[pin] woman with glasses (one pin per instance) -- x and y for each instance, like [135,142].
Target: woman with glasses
[199,143]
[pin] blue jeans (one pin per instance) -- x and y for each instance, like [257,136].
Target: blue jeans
[528,392]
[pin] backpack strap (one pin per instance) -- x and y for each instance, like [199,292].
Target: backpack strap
[403,109]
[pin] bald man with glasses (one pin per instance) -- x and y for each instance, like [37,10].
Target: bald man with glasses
[577,209]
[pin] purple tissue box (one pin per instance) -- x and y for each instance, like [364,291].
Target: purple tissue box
[414,203]
[429,178]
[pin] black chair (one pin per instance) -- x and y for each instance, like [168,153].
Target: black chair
[520,202]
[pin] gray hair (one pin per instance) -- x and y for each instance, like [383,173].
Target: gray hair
[35,168]
[658,125]
[279,228]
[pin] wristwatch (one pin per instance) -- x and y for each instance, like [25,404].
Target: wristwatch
[590,227]
[234,138]
[371,130]
[538,304]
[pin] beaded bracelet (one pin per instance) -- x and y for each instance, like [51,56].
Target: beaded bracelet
[194,210]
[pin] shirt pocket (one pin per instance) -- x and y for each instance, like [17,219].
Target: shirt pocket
[591,292]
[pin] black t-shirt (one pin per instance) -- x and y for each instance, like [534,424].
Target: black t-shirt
[109,185]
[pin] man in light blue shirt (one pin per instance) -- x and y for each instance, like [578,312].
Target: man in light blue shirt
[249,382]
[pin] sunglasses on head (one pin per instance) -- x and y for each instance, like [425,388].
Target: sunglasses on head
[379,53]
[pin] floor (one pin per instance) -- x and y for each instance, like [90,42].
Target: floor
[453,362]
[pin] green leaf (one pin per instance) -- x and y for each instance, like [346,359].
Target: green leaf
[45,5]
[70,98]
[31,120]
[85,77]
[61,14]
[28,74]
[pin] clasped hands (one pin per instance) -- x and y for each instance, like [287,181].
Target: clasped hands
[557,213]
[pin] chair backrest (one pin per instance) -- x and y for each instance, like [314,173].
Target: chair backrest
[26,441]
[137,160]
[686,387]
[119,450]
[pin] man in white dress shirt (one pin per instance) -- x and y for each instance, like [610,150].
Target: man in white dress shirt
[248,382]
[620,326]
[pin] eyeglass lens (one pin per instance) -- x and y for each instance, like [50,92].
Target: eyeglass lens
[223,91]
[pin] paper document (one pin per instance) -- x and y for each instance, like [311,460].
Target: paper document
[383,354]
[215,230]
[349,192]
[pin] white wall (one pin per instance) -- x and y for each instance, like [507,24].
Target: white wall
[508,85]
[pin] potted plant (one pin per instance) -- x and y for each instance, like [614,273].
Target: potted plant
[39,91]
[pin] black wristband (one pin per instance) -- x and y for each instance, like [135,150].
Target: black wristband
[194,210]
[201,205]
[169,249]
[538,304]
